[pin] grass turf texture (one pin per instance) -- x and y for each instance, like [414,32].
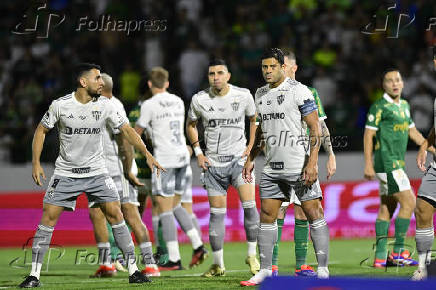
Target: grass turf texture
[345,260]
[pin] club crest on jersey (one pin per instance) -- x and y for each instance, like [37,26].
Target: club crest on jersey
[235,106]
[96,115]
[280,99]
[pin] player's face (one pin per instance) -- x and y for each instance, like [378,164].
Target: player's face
[218,76]
[272,71]
[94,82]
[290,68]
[393,83]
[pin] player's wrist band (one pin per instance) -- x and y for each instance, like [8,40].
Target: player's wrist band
[195,143]
[197,151]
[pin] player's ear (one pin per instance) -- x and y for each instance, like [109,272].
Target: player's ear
[229,74]
[295,68]
[149,84]
[83,82]
[167,84]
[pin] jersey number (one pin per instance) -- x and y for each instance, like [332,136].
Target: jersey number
[175,130]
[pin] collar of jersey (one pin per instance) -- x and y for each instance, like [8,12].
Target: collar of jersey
[77,102]
[217,96]
[390,100]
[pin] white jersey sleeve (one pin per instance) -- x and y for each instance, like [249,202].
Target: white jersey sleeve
[250,109]
[51,117]
[115,117]
[304,100]
[194,109]
[146,115]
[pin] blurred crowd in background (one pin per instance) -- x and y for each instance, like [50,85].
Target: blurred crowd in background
[337,53]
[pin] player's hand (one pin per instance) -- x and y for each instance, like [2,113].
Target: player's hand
[310,174]
[133,179]
[203,162]
[246,152]
[369,172]
[37,172]
[152,163]
[421,158]
[331,166]
[247,171]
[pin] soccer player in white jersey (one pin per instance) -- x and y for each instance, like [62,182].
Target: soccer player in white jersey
[113,145]
[286,108]
[163,115]
[81,118]
[301,229]
[222,109]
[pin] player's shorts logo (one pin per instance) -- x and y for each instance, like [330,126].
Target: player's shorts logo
[96,115]
[235,106]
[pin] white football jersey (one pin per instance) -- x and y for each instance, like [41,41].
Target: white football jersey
[281,111]
[81,128]
[223,120]
[163,115]
[110,146]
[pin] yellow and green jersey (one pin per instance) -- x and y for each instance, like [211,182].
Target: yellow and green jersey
[143,169]
[321,112]
[392,122]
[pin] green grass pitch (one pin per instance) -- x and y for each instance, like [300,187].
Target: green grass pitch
[346,258]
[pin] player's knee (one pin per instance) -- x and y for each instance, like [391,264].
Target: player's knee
[267,216]
[313,213]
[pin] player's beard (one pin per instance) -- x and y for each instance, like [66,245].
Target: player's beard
[94,95]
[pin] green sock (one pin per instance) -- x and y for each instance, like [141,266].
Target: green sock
[115,251]
[401,227]
[162,245]
[301,237]
[275,257]
[381,232]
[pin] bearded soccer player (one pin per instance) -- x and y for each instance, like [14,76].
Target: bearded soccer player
[426,201]
[390,124]
[164,116]
[301,231]
[120,171]
[81,118]
[286,106]
[222,109]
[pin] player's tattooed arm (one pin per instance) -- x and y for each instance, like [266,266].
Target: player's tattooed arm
[368,145]
[37,144]
[133,137]
[192,132]
[126,154]
[327,145]
[427,145]
[252,135]
[310,173]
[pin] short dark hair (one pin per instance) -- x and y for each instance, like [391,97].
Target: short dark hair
[274,52]
[82,68]
[388,70]
[217,61]
[289,53]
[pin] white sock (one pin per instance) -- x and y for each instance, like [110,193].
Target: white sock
[131,266]
[36,270]
[195,238]
[218,258]
[251,248]
[173,251]
[422,259]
